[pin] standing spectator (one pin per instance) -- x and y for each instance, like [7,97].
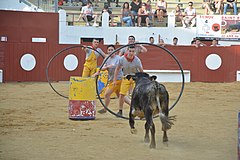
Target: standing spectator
[87,14]
[90,64]
[151,40]
[138,48]
[198,43]
[190,16]
[175,41]
[178,14]
[143,16]
[129,64]
[214,42]
[126,14]
[161,10]
[206,5]
[134,7]
[230,3]
[162,43]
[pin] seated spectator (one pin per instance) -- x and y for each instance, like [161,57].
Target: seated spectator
[189,16]
[126,15]
[149,9]
[230,3]
[87,14]
[215,42]
[206,5]
[143,16]
[178,14]
[134,7]
[161,10]
[218,6]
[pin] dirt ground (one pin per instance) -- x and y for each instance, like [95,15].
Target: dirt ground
[34,125]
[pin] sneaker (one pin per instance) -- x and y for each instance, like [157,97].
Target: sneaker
[87,24]
[118,5]
[102,111]
[95,24]
[119,113]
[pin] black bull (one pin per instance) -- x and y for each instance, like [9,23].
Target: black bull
[148,99]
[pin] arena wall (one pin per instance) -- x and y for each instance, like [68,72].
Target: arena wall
[18,29]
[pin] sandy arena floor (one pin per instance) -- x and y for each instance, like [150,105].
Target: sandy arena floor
[35,126]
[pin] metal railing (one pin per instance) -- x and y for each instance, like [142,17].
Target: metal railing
[72,20]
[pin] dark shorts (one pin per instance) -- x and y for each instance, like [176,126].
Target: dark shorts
[143,18]
[89,18]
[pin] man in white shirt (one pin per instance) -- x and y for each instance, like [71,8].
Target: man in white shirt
[87,14]
[190,16]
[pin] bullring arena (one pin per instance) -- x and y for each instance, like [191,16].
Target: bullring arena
[35,122]
[35,125]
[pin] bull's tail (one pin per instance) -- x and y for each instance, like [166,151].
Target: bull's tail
[167,122]
[162,103]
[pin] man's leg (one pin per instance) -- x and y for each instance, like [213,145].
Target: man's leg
[107,99]
[95,20]
[86,20]
[121,102]
[235,10]
[225,8]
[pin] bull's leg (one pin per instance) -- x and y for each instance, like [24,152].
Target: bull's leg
[131,121]
[165,137]
[153,142]
[165,112]
[146,137]
[150,125]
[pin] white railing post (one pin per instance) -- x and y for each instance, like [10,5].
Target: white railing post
[105,19]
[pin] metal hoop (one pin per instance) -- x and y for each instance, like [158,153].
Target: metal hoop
[172,55]
[50,61]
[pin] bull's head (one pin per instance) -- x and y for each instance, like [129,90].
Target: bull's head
[140,75]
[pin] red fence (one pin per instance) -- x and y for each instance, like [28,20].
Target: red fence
[191,58]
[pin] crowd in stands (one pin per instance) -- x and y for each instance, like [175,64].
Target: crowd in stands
[138,13]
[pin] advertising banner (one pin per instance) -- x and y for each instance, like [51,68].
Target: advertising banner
[221,27]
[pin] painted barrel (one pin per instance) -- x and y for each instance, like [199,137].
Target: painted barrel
[82,98]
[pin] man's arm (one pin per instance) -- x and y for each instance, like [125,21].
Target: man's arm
[116,73]
[143,49]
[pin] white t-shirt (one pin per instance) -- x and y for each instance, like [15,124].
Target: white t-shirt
[87,11]
[190,12]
